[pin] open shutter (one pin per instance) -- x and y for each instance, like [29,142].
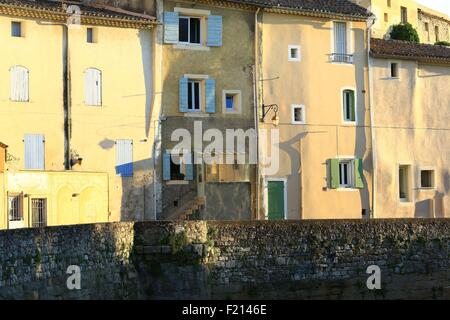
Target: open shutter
[19,83]
[183,95]
[214,31]
[166,166]
[124,158]
[352,105]
[359,174]
[210,88]
[34,151]
[334,173]
[171,27]
[189,175]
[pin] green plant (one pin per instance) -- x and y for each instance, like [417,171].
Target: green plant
[37,257]
[443,43]
[405,32]
[178,242]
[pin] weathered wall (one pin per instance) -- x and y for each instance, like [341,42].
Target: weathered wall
[433,21]
[286,259]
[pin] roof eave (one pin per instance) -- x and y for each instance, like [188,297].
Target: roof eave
[434,60]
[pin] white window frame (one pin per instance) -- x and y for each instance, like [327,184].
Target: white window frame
[298,106]
[237,101]
[21,29]
[189,43]
[350,173]
[350,44]
[390,63]
[200,91]
[194,13]
[433,178]
[344,120]
[299,54]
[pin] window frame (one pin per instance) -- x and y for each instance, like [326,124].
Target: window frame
[433,178]
[403,14]
[189,17]
[298,50]
[237,98]
[350,162]
[343,106]
[200,91]
[93,35]
[390,64]
[20,24]
[409,195]
[303,110]
[19,197]
[44,208]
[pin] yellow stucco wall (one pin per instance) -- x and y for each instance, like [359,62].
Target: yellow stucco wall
[411,119]
[72,197]
[317,84]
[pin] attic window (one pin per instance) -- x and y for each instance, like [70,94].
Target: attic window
[294,53]
[16,29]
[90,35]
[393,70]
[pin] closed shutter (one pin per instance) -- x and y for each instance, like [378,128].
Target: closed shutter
[34,152]
[214,31]
[340,37]
[333,165]
[166,166]
[189,174]
[93,87]
[183,103]
[19,83]
[210,88]
[124,158]
[171,27]
[359,174]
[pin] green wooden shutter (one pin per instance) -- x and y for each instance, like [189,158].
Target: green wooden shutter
[333,164]
[352,105]
[359,182]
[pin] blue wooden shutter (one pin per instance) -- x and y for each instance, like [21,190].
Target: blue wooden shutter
[183,95]
[189,168]
[214,31]
[166,166]
[34,152]
[210,88]
[171,27]
[124,158]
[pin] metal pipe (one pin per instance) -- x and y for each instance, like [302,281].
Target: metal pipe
[256,114]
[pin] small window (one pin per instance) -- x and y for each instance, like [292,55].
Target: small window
[298,114]
[231,101]
[349,104]
[294,53]
[404,14]
[389,3]
[436,32]
[189,30]
[39,212]
[427,179]
[194,95]
[403,183]
[15,207]
[386,17]
[16,29]
[393,70]
[346,177]
[427,27]
[90,35]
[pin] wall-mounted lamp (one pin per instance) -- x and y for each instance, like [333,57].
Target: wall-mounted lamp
[75,161]
[266,109]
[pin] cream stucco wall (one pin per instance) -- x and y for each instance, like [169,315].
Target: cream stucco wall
[411,119]
[317,84]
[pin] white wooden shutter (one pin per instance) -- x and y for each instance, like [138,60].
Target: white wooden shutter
[93,87]
[19,83]
[34,152]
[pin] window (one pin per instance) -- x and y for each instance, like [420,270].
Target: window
[404,14]
[294,53]
[15,207]
[389,3]
[16,29]
[39,212]
[349,105]
[393,70]
[346,173]
[436,32]
[227,172]
[124,158]
[427,178]
[90,35]
[427,27]
[189,30]
[34,152]
[194,95]
[298,114]
[386,17]
[19,84]
[93,87]
[231,101]
[177,167]
[403,182]
[341,44]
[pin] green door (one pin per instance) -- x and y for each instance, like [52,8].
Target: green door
[276,200]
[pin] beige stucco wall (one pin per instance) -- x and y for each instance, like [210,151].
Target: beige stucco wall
[411,119]
[317,84]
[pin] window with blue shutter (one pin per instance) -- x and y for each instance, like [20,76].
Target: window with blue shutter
[19,83]
[34,152]
[210,88]
[171,27]
[183,103]
[166,166]
[214,31]
[124,158]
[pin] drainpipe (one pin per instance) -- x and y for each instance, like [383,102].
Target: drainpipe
[372,121]
[256,113]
